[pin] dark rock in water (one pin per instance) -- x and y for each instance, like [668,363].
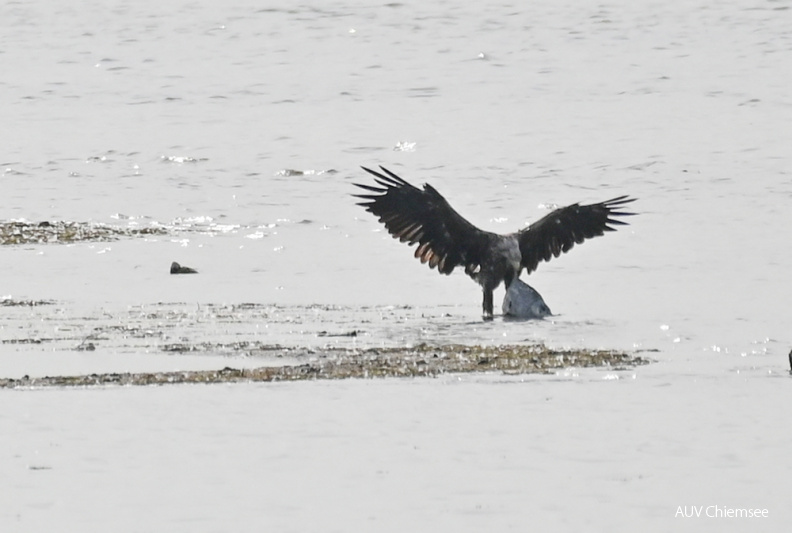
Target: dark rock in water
[790,361]
[176,268]
[522,301]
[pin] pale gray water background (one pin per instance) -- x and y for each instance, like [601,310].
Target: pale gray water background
[195,116]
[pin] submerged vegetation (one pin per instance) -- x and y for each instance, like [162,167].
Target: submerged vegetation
[420,361]
[65,232]
[7,301]
[21,232]
[268,342]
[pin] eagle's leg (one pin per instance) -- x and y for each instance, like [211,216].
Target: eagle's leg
[509,277]
[487,304]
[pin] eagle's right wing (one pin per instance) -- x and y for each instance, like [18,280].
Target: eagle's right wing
[445,239]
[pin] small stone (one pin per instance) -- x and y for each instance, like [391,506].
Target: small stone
[176,268]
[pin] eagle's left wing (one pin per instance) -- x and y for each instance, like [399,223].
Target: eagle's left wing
[560,230]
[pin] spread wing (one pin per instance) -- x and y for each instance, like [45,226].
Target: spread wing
[445,239]
[558,231]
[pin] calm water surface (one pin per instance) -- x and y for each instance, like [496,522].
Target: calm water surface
[245,126]
[241,126]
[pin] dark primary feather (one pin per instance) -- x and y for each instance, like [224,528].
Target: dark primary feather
[445,239]
[560,230]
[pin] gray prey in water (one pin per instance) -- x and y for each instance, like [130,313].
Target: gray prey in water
[446,240]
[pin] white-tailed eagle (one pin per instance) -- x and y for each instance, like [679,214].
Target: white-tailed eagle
[446,240]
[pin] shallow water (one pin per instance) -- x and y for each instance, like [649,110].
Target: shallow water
[241,128]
